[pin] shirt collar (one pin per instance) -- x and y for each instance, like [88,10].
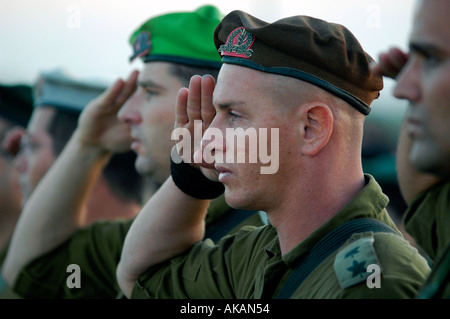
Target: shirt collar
[427,219]
[370,202]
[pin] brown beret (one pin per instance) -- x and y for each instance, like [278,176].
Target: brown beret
[324,54]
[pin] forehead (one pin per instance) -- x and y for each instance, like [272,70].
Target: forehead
[237,82]
[158,73]
[431,23]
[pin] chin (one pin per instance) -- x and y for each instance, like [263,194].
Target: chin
[142,165]
[427,157]
[236,199]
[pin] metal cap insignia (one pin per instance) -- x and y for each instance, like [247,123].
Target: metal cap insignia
[238,44]
[142,45]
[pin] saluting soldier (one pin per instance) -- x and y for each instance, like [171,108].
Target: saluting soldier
[16,104]
[423,153]
[330,235]
[173,47]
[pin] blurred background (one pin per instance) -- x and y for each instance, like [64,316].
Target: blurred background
[89,38]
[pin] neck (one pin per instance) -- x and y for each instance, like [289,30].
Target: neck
[104,205]
[310,204]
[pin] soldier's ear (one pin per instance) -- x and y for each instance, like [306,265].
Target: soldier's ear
[316,126]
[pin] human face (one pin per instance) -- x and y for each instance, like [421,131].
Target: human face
[151,114]
[242,99]
[36,153]
[10,196]
[425,82]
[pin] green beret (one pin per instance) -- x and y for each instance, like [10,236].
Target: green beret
[16,103]
[59,89]
[324,54]
[180,37]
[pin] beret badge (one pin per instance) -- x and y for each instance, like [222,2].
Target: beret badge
[238,44]
[142,45]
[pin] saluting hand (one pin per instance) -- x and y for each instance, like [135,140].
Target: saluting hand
[196,104]
[11,140]
[98,124]
[390,63]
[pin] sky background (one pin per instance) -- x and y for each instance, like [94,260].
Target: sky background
[89,38]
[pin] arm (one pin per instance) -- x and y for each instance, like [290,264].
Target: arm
[172,221]
[169,224]
[54,210]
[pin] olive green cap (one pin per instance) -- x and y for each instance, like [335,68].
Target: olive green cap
[325,54]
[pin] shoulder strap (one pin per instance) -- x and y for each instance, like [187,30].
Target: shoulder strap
[325,247]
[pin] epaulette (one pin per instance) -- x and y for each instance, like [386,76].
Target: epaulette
[355,262]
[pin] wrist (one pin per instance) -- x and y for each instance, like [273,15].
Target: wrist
[88,152]
[88,147]
[191,180]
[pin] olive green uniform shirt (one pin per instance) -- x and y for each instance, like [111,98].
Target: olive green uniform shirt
[249,263]
[5,291]
[428,221]
[96,249]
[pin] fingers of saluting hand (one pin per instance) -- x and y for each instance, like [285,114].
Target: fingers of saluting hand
[181,116]
[129,88]
[116,95]
[207,109]
[390,63]
[195,103]
[397,58]
[11,141]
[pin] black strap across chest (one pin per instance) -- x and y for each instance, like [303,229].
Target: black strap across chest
[325,247]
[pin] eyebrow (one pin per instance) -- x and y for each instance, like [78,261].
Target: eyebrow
[425,49]
[226,105]
[146,84]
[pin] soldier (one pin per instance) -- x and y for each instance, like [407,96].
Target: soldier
[58,102]
[16,104]
[310,80]
[173,47]
[423,155]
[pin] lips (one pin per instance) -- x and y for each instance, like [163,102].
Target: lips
[224,173]
[221,169]
[135,141]
[413,121]
[415,127]
[135,144]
